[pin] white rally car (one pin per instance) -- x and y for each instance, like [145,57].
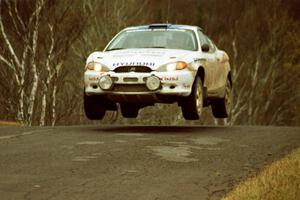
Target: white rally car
[158,63]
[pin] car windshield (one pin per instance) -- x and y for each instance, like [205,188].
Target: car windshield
[155,38]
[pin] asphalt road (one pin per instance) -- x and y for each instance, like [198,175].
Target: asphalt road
[135,162]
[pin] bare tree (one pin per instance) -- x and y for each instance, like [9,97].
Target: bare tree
[16,60]
[35,49]
[58,46]
[258,41]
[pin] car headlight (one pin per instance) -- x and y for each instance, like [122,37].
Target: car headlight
[175,66]
[96,67]
[106,83]
[171,67]
[153,83]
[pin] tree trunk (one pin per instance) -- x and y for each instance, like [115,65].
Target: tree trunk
[32,96]
[53,122]
[20,115]
[43,111]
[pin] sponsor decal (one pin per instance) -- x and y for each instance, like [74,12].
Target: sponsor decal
[156,29]
[149,64]
[169,78]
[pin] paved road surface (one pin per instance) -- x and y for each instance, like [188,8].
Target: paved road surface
[135,162]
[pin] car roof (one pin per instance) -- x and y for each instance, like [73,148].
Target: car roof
[163,26]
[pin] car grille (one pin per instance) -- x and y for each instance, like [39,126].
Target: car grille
[130,88]
[126,69]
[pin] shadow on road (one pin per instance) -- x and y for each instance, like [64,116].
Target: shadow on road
[158,129]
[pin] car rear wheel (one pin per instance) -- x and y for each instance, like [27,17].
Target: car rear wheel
[192,105]
[129,110]
[221,108]
[93,108]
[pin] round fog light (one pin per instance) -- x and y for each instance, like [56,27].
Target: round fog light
[153,83]
[105,83]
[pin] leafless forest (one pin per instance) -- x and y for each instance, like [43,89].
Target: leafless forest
[44,43]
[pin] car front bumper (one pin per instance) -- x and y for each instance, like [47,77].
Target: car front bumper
[177,83]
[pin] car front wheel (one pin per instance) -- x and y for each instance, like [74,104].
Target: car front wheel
[93,108]
[221,108]
[192,105]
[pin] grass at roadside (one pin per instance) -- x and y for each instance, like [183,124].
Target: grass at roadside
[9,123]
[279,181]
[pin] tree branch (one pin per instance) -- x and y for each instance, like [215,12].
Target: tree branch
[9,64]
[18,17]
[13,18]
[7,42]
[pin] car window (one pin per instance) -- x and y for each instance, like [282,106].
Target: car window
[205,40]
[212,47]
[170,39]
[202,38]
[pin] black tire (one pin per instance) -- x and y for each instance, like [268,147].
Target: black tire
[192,105]
[93,108]
[129,110]
[221,108]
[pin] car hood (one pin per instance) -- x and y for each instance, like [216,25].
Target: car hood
[150,57]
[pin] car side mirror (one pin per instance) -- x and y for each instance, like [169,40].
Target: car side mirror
[205,48]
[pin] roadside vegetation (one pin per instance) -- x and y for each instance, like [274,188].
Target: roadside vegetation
[280,180]
[44,44]
[9,123]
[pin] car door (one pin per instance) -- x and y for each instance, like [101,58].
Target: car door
[216,66]
[222,65]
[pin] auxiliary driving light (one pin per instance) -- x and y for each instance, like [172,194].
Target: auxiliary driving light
[105,82]
[153,83]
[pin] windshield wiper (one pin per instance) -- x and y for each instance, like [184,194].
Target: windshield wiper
[113,49]
[157,47]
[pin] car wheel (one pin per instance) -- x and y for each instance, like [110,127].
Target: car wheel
[192,105]
[93,108]
[221,108]
[129,110]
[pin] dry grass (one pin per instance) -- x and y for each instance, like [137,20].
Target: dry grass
[279,181]
[9,123]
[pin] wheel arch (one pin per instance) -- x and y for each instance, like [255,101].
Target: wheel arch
[229,77]
[201,74]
